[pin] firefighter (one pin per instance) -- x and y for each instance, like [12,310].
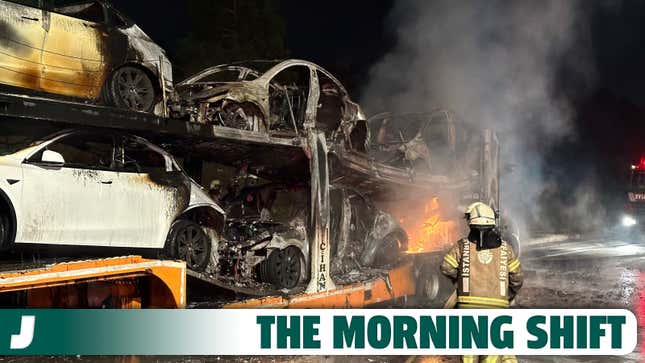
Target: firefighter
[485,268]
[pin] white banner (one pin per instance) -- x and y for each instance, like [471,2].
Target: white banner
[422,332]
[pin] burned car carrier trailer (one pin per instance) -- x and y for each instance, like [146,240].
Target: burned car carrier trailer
[309,162]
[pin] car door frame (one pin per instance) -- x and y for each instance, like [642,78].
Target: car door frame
[71,232]
[312,97]
[142,188]
[44,25]
[101,28]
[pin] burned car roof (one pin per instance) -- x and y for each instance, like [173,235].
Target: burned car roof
[258,68]
[280,98]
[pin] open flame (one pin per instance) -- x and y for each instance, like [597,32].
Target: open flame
[430,231]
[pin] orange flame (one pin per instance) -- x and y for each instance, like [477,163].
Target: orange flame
[430,232]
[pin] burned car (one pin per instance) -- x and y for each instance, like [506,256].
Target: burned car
[279,98]
[83,49]
[268,239]
[432,150]
[104,189]
[427,142]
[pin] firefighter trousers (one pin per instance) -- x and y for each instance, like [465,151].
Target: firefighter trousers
[489,359]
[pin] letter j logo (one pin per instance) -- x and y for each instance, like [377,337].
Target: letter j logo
[24,338]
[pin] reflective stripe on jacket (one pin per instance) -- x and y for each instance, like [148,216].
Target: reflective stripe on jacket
[486,278]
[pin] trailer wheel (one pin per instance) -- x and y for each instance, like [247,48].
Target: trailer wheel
[188,242]
[131,88]
[432,288]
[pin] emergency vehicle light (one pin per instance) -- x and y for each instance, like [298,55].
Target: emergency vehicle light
[641,164]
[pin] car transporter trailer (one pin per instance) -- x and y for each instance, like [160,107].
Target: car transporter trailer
[136,282]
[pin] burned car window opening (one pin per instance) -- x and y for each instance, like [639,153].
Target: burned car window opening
[91,11]
[425,142]
[14,138]
[330,104]
[288,98]
[83,151]
[224,75]
[140,158]
[31,3]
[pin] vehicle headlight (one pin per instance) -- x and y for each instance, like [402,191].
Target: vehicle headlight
[628,221]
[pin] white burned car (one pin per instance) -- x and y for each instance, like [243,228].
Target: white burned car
[104,188]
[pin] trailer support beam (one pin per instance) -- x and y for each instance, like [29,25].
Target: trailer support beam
[320,214]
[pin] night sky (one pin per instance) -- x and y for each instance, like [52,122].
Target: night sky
[345,37]
[352,35]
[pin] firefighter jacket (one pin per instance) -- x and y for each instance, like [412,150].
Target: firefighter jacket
[486,277]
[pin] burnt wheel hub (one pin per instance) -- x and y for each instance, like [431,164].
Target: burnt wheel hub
[288,268]
[192,246]
[134,89]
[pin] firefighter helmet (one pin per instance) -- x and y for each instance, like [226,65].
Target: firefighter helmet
[480,215]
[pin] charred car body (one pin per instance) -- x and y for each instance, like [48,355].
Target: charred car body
[107,189]
[280,98]
[84,49]
[269,239]
[433,150]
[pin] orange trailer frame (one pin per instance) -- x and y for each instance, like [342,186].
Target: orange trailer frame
[399,283]
[122,282]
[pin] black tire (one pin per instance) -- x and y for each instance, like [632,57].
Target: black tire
[284,268]
[131,88]
[6,231]
[432,288]
[187,241]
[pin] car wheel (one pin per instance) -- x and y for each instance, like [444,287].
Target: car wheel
[132,88]
[190,243]
[5,231]
[285,267]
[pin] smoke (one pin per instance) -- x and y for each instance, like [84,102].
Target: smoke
[497,64]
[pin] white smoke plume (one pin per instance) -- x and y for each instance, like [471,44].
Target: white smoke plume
[495,63]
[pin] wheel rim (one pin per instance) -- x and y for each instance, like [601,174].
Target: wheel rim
[192,246]
[134,89]
[288,268]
